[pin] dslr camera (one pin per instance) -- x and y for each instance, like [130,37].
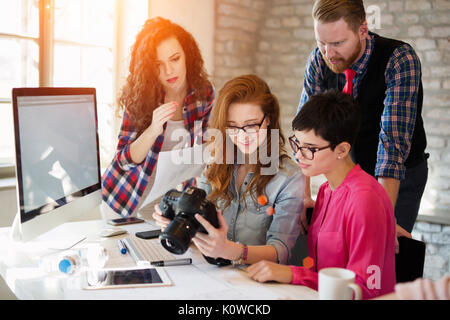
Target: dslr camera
[181,207]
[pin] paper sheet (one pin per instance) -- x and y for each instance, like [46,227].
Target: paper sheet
[174,167]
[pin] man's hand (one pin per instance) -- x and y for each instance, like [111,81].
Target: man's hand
[400,232]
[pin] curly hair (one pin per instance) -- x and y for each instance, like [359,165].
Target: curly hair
[143,92]
[243,89]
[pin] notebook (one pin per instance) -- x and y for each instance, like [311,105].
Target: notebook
[410,260]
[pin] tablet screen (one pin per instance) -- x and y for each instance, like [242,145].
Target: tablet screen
[134,277]
[99,279]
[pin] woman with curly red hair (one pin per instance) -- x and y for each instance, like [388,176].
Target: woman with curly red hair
[166,92]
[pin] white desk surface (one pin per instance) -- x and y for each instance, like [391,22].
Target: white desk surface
[199,281]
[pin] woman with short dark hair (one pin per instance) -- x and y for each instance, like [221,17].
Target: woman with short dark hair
[352,225]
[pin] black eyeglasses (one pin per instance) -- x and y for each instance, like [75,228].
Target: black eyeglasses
[307,152]
[249,129]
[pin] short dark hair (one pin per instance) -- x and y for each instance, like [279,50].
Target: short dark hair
[333,115]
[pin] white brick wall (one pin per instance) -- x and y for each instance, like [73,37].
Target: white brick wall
[237,23]
[437,239]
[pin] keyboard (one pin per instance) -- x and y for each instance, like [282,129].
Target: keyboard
[144,252]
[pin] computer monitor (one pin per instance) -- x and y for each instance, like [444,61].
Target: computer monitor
[57,158]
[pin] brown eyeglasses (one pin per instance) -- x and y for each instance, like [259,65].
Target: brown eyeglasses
[307,152]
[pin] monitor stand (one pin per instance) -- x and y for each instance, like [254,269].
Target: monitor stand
[59,238]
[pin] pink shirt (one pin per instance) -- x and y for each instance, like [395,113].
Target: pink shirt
[353,227]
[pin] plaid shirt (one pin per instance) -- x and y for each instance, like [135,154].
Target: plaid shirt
[124,181]
[402,76]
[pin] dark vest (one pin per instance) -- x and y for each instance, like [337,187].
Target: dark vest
[371,95]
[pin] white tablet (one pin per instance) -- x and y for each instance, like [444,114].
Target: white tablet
[125,278]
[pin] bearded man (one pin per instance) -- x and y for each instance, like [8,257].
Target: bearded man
[384,76]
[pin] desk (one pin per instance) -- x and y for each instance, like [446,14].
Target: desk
[199,281]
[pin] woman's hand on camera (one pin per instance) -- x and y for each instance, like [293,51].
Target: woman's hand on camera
[161,115]
[159,219]
[214,244]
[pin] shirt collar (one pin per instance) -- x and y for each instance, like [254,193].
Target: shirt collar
[354,172]
[361,65]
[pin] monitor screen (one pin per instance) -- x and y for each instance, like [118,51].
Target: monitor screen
[57,158]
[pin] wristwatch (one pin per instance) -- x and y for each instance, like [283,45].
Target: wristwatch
[242,258]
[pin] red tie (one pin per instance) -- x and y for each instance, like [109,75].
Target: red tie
[349,75]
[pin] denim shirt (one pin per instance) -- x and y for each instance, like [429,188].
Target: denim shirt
[251,225]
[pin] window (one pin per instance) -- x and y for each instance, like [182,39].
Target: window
[83,56]
[88,49]
[19,58]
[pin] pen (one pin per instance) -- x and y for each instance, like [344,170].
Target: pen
[122,247]
[168,263]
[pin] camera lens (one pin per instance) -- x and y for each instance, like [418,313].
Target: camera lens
[178,234]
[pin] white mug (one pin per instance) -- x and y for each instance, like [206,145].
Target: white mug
[338,284]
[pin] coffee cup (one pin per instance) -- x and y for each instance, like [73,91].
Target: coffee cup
[338,284]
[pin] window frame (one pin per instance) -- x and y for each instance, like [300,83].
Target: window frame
[46,42]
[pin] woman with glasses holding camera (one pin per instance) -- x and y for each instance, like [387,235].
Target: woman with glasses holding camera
[255,185]
[353,224]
